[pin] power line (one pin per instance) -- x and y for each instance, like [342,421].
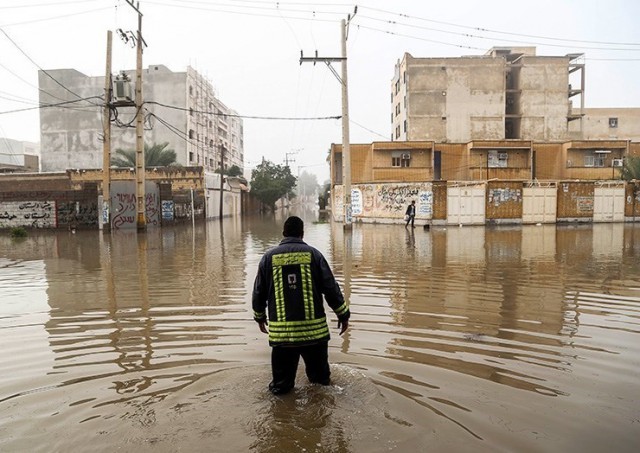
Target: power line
[32,5]
[63,16]
[29,83]
[468,35]
[38,66]
[498,31]
[42,106]
[254,117]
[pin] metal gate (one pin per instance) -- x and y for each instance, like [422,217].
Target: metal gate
[608,201]
[466,204]
[539,202]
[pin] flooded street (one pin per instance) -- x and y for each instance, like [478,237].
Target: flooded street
[461,339]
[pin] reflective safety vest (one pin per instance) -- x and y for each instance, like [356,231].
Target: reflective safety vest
[290,284]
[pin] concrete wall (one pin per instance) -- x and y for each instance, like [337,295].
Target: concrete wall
[596,125]
[455,99]
[543,99]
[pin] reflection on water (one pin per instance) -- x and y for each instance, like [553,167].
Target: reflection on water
[462,338]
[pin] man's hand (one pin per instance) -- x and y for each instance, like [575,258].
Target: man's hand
[263,326]
[343,326]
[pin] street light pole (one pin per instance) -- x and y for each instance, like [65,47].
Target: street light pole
[222,149]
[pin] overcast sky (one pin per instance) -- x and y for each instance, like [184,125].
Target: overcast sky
[250,51]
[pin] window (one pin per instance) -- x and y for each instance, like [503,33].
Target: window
[398,131]
[190,112]
[191,132]
[405,126]
[391,117]
[400,159]
[190,90]
[613,122]
[190,157]
[497,159]
[594,161]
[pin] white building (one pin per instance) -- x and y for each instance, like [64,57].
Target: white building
[19,156]
[180,108]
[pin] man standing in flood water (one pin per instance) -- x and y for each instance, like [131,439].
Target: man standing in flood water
[290,284]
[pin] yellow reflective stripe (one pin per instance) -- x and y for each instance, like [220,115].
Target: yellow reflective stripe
[277,283]
[284,259]
[259,314]
[288,324]
[298,336]
[305,271]
[342,309]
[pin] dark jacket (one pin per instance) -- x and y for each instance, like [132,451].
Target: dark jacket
[289,287]
[411,210]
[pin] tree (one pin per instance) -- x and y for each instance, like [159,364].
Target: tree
[631,168]
[323,198]
[234,170]
[307,184]
[154,156]
[270,182]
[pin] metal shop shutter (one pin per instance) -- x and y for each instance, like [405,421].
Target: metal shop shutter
[608,203]
[539,204]
[465,205]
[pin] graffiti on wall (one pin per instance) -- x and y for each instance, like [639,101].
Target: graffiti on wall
[385,201]
[123,207]
[75,213]
[34,214]
[499,196]
[395,198]
[152,208]
[124,210]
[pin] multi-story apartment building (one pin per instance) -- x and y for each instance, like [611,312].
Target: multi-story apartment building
[508,93]
[180,108]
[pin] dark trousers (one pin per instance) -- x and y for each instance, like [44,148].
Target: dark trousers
[284,365]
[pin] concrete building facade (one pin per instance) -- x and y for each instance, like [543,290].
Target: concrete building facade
[19,156]
[508,93]
[180,108]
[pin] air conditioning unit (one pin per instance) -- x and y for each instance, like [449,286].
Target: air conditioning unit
[406,156]
[122,90]
[503,156]
[616,163]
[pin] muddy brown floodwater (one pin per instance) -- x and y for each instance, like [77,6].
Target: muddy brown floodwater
[462,339]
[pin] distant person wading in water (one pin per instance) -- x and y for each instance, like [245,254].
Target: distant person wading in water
[410,214]
[290,284]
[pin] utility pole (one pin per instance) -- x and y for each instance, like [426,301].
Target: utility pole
[140,175]
[346,149]
[105,221]
[222,149]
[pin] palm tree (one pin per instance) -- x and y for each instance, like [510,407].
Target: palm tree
[631,169]
[154,156]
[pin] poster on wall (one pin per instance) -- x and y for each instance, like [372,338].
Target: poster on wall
[425,203]
[356,202]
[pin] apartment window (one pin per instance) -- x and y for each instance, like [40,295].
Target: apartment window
[404,125]
[398,131]
[594,161]
[190,112]
[392,96]
[613,122]
[190,90]
[391,117]
[397,86]
[497,159]
[191,132]
[400,159]
[190,157]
